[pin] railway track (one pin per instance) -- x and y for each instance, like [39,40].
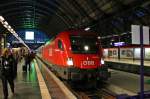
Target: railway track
[107,94]
[93,93]
[97,94]
[81,93]
[89,95]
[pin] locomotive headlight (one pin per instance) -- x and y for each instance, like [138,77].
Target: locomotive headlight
[86,47]
[102,62]
[69,61]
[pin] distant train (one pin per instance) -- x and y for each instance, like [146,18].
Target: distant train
[126,52]
[75,55]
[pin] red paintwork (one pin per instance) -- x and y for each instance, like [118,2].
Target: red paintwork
[53,54]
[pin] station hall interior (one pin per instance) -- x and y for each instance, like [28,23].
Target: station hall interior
[75,49]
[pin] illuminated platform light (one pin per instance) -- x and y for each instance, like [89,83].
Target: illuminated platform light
[119,43]
[5,26]
[2,18]
[86,47]
[86,29]
[5,23]
[9,28]
[99,37]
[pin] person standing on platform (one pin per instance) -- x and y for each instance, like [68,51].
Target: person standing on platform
[28,61]
[7,63]
[16,57]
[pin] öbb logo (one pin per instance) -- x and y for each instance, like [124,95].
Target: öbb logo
[87,62]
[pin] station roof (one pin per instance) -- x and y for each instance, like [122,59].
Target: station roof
[106,17]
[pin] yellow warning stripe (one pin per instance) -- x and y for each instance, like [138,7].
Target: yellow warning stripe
[43,88]
[61,85]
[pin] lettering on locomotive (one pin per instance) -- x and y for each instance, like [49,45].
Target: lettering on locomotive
[50,51]
[88,62]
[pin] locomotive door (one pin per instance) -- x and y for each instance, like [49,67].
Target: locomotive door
[61,52]
[62,69]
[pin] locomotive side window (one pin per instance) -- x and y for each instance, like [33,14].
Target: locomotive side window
[60,45]
[82,44]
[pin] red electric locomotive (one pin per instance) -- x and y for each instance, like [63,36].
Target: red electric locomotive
[74,55]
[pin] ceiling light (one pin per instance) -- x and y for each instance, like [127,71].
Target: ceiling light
[5,23]
[9,26]
[11,30]
[1,18]
[86,29]
[5,26]
[86,47]
[99,37]
[15,34]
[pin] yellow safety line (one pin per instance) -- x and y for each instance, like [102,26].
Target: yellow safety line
[43,88]
[66,91]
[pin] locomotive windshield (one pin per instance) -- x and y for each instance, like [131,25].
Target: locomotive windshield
[87,45]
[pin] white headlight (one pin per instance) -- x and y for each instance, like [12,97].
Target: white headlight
[86,47]
[102,61]
[70,61]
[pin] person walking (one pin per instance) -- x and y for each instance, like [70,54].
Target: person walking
[7,72]
[28,59]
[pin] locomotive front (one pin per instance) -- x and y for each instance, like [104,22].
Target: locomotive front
[84,59]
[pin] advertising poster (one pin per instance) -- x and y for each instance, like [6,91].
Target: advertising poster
[109,53]
[130,52]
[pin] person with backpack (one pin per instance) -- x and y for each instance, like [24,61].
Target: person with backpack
[7,64]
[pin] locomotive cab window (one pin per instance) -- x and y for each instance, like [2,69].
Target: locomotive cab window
[82,44]
[60,45]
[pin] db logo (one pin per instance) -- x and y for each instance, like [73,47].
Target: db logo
[88,62]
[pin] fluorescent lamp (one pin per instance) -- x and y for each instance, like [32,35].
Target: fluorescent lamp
[13,32]
[119,43]
[86,29]
[1,18]
[5,26]
[5,23]
[99,37]
[9,29]
[16,35]
[9,26]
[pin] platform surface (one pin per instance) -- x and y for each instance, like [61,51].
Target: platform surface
[127,61]
[26,84]
[128,81]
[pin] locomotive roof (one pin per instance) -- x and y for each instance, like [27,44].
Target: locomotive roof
[81,32]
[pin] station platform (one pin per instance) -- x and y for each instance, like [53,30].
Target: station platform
[38,83]
[26,84]
[128,65]
[127,83]
[125,75]
[127,61]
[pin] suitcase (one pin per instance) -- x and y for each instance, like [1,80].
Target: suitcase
[24,68]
